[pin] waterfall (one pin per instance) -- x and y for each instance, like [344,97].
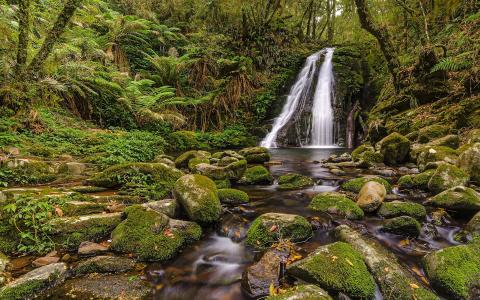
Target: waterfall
[321,132]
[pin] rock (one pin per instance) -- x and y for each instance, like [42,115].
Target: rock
[73,168]
[3,264]
[89,248]
[371,196]
[398,208]
[366,155]
[183,160]
[385,172]
[337,172]
[104,264]
[198,196]
[273,227]
[225,161]
[356,184]
[338,204]
[469,161]
[255,155]
[78,208]
[403,225]
[418,181]
[294,181]
[34,282]
[304,291]
[223,184]
[394,281]
[152,236]
[196,161]
[453,270]
[471,230]
[227,153]
[459,198]
[232,171]
[451,141]
[394,148]
[168,207]
[447,176]
[336,267]
[88,189]
[432,132]
[232,196]
[435,154]
[342,158]
[256,175]
[46,260]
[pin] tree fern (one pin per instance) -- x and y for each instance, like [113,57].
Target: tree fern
[450,64]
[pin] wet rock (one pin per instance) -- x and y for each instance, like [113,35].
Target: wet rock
[168,207]
[337,267]
[34,282]
[198,196]
[451,141]
[337,172]
[89,248]
[403,225]
[294,181]
[428,154]
[342,158]
[45,260]
[356,184]
[304,291]
[394,281]
[385,172]
[469,161]
[471,230]
[232,196]
[183,160]
[273,227]
[371,196]
[88,189]
[3,264]
[394,148]
[256,175]
[72,168]
[104,264]
[432,132]
[447,176]
[398,208]
[232,171]
[338,204]
[367,156]
[255,155]
[78,208]
[453,270]
[459,198]
[227,153]
[419,181]
[152,236]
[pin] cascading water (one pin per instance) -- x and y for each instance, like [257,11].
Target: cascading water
[321,126]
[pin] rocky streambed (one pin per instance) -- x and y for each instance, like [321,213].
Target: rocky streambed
[396,221]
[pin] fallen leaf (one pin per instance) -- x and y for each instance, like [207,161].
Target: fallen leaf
[58,211]
[349,262]
[414,286]
[272,290]
[334,258]
[386,269]
[273,228]
[168,233]
[403,243]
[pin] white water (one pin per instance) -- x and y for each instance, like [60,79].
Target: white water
[322,112]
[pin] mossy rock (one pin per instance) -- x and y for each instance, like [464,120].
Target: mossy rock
[459,198]
[403,225]
[294,181]
[256,175]
[302,292]
[435,154]
[232,196]
[255,155]
[356,154]
[104,264]
[451,140]
[471,231]
[223,183]
[152,236]
[196,161]
[367,155]
[183,160]
[469,161]
[26,171]
[185,140]
[394,148]
[270,228]
[356,184]
[336,267]
[198,195]
[88,189]
[337,204]
[454,270]
[398,208]
[418,181]
[432,132]
[79,208]
[447,176]
[9,240]
[232,171]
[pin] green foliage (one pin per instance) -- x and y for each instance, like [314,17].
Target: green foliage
[451,64]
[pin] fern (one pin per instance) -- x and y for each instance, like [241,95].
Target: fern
[450,64]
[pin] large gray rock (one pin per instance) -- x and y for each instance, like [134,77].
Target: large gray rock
[447,176]
[168,207]
[469,161]
[232,171]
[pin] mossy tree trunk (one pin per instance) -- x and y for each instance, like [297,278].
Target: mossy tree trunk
[23,36]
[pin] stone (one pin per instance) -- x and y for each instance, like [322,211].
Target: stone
[336,267]
[255,155]
[46,260]
[198,195]
[458,198]
[432,132]
[3,264]
[183,160]
[232,171]
[418,181]
[428,154]
[232,196]
[398,208]
[394,148]
[256,175]
[337,172]
[73,168]
[447,176]
[469,161]
[88,189]
[294,181]
[104,264]
[89,248]
[451,140]
[356,184]
[273,227]
[403,225]
[471,230]
[371,196]
[337,204]
[78,208]
[169,207]
[192,163]
[302,292]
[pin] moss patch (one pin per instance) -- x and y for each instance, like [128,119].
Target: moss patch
[303,292]
[338,204]
[403,225]
[232,196]
[399,208]
[432,132]
[256,175]
[255,155]
[447,176]
[356,184]
[457,198]
[394,148]
[294,181]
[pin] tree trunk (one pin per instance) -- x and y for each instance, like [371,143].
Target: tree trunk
[53,36]
[383,38]
[331,27]
[23,36]
[329,19]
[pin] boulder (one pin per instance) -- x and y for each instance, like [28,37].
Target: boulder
[471,230]
[336,267]
[435,154]
[198,196]
[398,208]
[294,181]
[459,198]
[169,207]
[88,248]
[366,155]
[72,168]
[356,184]
[223,184]
[255,155]
[469,161]
[432,132]
[82,189]
[183,160]
[403,225]
[418,181]
[304,291]
[337,204]
[152,236]
[451,141]
[104,264]
[196,161]
[371,196]
[447,176]
[273,227]
[227,153]
[78,208]
[232,171]
[394,148]
[45,260]
[232,196]
[256,175]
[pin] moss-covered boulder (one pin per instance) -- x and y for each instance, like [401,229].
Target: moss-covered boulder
[357,152]
[223,183]
[182,160]
[418,181]
[469,161]
[451,140]
[169,207]
[398,208]
[227,153]
[336,267]
[232,171]
[152,236]
[471,230]
[337,204]
[371,196]
[447,176]
[356,184]
[394,148]
[255,155]
[192,163]
[432,132]
[232,196]
[198,195]
[435,154]
[459,198]
[273,227]
[367,155]
[256,175]
[454,270]
[294,181]
[403,225]
[78,208]
[303,292]
[104,264]
[25,171]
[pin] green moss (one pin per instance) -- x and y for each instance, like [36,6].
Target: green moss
[434,154]
[273,227]
[185,140]
[355,185]
[457,198]
[232,196]
[398,208]
[192,163]
[338,204]
[78,208]
[421,180]
[151,236]
[256,175]
[183,160]
[356,154]
[394,148]
[8,239]
[255,155]
[24,291]
[336,267]
[405,182]
[403,225]
[30,172]
[447,176]
[223,183]
[294,181]
[432,132]
[303,292]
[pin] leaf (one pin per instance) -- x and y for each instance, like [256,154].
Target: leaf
[334,258]
[414,286]
[272,290]
[273,228]
[168,233]
[58,211]
[349,262]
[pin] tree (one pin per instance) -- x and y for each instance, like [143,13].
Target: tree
[23,35]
